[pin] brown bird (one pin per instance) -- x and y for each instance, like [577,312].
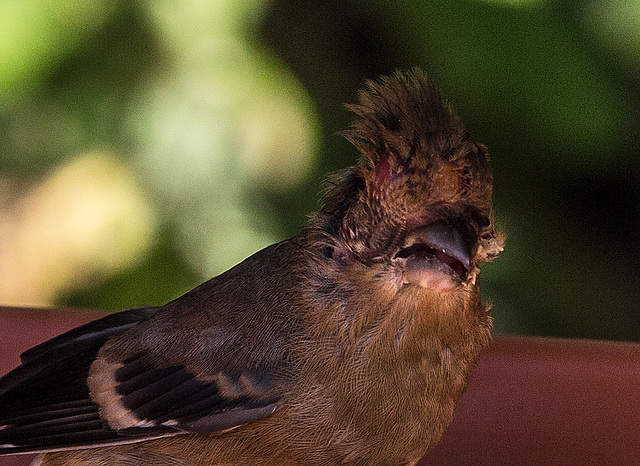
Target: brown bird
[348,343]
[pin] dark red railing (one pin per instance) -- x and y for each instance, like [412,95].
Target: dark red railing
[533,401]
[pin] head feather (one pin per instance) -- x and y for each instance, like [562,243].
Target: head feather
[418,165]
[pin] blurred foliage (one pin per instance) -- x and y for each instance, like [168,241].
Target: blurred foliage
[147,146]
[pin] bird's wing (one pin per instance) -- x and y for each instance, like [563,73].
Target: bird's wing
[68,394]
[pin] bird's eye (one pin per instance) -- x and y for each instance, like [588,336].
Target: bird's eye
[359,184]
[327,252]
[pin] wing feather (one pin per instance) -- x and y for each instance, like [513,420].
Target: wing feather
[65,395]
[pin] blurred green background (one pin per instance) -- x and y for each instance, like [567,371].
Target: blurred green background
[147,146]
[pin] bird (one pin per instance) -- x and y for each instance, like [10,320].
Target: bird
[348,343]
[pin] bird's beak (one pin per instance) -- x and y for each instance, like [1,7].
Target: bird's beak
[445,238]
[436,256]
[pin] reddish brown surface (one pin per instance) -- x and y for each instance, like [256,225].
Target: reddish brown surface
[531,401]
[535,401]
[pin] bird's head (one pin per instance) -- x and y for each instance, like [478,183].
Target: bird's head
[420,196]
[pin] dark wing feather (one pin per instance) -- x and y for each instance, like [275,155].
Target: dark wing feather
[97,330]
[139,395]
[46,403]
[67,348]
